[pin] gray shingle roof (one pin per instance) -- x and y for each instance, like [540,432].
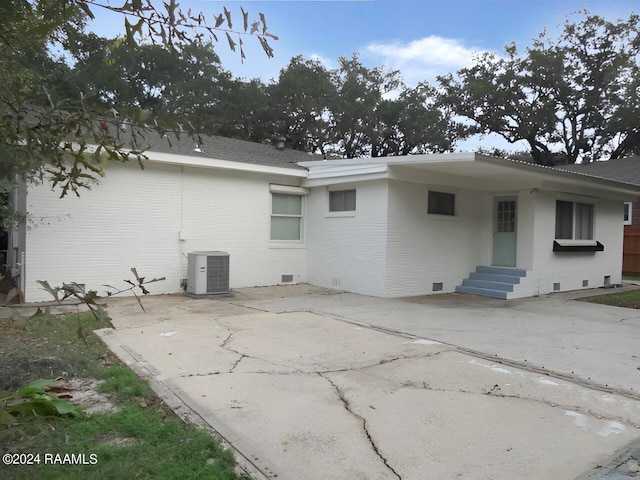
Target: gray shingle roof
[221,148]
[623,169]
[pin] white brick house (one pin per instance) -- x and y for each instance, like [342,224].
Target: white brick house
[389,227]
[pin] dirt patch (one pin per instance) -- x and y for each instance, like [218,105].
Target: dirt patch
[85,392]
[20,371]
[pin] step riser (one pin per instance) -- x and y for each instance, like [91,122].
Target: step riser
[494,277]
[505,287]
[482,292]
[512,272]
[495,282]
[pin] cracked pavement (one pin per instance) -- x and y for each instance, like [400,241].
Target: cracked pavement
[308,395]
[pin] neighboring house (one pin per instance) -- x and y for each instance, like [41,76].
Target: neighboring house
[625,170]
[388,227]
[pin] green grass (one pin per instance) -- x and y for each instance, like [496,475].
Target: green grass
[135,442]
[628,299]
[142,440]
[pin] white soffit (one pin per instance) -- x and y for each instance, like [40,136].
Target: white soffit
[470,165]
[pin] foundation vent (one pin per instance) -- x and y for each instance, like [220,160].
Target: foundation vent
[437,287]
[287,278]
[585,283]
[556,286]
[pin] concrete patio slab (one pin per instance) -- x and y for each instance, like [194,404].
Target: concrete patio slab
[592,343]
[294,380]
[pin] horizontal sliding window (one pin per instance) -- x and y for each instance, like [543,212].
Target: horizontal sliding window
[342,200]
[441,203]
[574,221]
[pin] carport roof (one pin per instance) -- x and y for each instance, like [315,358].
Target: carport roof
[469,170]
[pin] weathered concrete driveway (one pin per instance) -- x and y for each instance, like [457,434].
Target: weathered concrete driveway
[447,387]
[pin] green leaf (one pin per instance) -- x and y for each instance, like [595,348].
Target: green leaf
[63,407]
[37,386]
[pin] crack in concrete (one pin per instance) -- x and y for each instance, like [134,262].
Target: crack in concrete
[379,363]
[494,391]
[233,367]
[363,421]
[244,355]
[224,342]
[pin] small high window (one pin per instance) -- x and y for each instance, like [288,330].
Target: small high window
[342,200]
[627,212]
[574,221]
[441,203]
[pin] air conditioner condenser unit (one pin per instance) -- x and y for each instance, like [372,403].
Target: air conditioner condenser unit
[208,273]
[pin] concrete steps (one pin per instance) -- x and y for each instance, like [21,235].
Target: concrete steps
[495,282]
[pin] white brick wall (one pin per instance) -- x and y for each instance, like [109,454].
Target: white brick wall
[425,249]
[349,252]
[133,219]
[571,268]
[391,247]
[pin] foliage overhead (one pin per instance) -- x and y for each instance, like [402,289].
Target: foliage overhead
[355,111]
[571,97]
[56,122]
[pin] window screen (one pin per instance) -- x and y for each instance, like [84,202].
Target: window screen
[342,200]
[441,203]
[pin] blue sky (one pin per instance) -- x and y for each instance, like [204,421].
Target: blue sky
[421,38]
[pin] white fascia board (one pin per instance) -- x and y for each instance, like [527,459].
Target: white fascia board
[320,182]
[427,158]
[345,170]
[189,161]
[207,162]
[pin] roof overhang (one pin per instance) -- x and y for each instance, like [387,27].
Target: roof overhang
[212,163]
[464,170]
[150,156]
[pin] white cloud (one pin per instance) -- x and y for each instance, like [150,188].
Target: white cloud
[325,61]
[423,59]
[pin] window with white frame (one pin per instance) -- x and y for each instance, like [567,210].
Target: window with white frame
[342,200]
[574,221]
[627,212]
[441,203]
[286,217]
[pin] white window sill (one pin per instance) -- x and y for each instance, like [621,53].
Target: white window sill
[287,245]
[565,242]
[351,213]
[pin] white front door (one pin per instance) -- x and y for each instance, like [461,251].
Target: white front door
[504,231]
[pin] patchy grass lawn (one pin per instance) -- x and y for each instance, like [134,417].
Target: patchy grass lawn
[628,299]
[137,436]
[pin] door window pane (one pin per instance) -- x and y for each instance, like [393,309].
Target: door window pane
[506,221]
